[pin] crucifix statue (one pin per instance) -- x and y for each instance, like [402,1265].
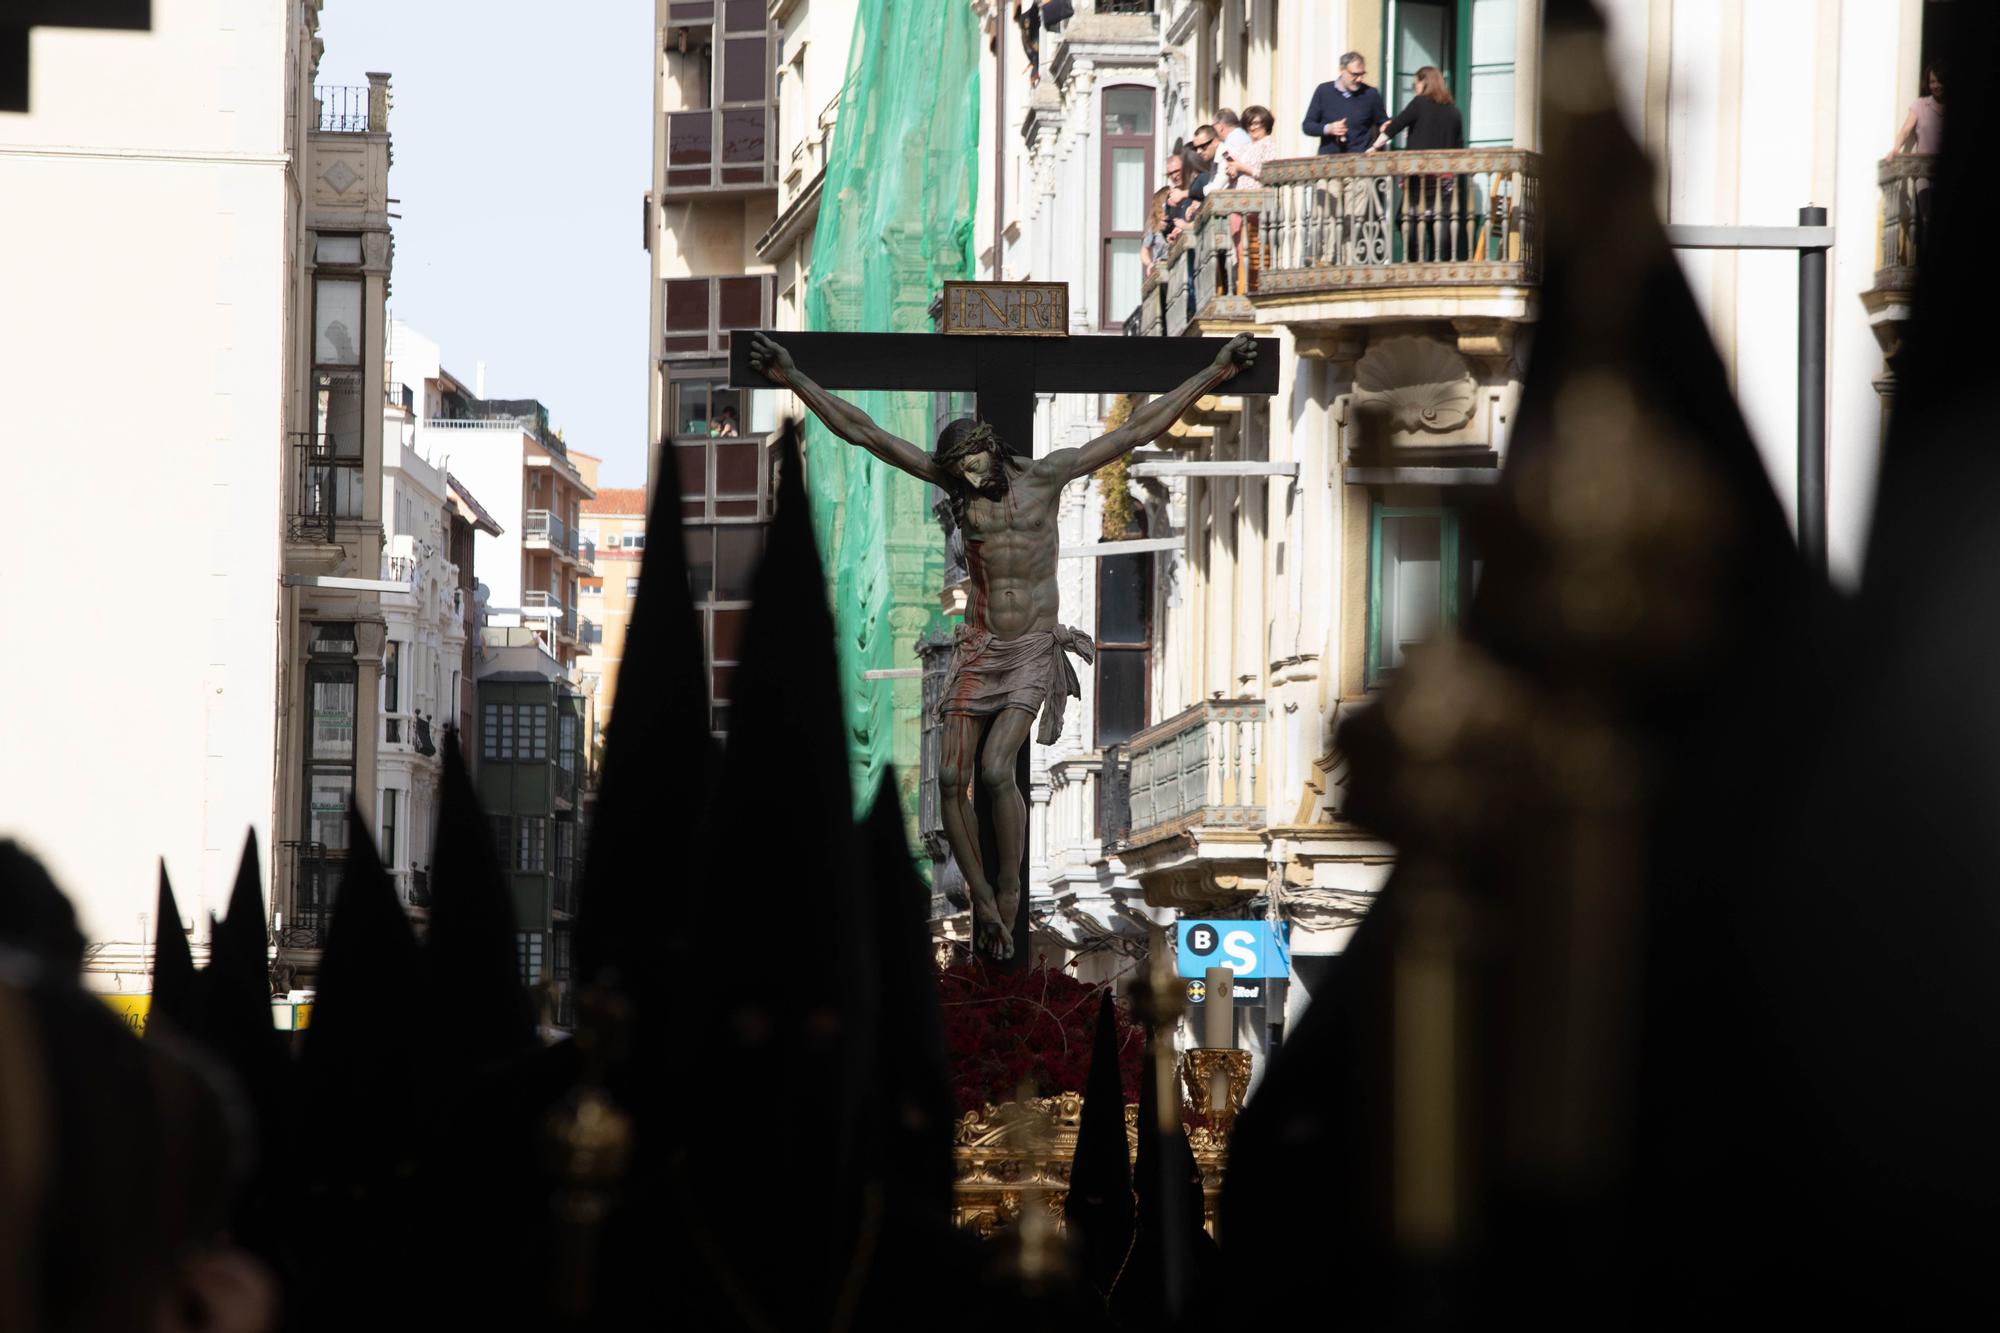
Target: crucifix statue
[1010,661]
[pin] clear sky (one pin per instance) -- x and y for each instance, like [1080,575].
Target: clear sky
[522,137]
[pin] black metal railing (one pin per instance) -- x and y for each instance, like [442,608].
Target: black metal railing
[1125,6]
[564,897]
[420,888]
[329,486]
[343,108]
[316,877]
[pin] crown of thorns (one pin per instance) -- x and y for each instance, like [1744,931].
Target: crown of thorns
[962,439]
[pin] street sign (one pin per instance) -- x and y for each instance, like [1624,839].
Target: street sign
[1249,991]
[1246,948]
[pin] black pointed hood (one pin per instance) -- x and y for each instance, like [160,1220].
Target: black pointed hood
[1172,1256]
[364,1053]
[239,986]
[795,1042]
[177,991]
[471,949]
[915,1112]
[659,760]
[35,916]
[1099,1205]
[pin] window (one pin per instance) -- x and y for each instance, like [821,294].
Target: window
[530,845]
[392,676]
[530,953]
[633,541]
[698,313]
[531,723]
[1127,175]
[1124,643]
[591,587]
[722,560]
[720,133]
[1472,42]
[497,732]
[330,684]
[631,587]
[389,799]
[503,839]
[331,249]
[1421,574]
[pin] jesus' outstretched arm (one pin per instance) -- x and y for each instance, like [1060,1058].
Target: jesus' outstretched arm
[1151,420]
[843,418]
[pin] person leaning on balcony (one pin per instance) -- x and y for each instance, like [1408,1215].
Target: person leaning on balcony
[1179,202]
[1432,122]
[1345,113]
[1246,168]
[1923,128]
[1923,134]
[1154,248]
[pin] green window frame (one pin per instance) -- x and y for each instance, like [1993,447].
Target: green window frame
[1461,72]
[1454,589]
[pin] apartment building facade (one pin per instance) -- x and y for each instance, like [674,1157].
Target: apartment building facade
[614,521]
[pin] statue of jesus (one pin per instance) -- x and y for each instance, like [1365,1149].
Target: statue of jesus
[1008,663]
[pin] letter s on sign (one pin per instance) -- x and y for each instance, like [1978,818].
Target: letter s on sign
[1240,946]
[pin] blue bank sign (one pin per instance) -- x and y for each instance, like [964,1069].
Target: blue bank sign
[1248,948]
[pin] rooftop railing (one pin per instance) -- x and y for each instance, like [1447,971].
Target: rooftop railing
[1198,768]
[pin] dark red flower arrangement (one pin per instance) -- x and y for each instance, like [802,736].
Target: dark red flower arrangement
[1031,1025]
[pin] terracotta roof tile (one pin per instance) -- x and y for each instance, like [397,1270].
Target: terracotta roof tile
[623,500]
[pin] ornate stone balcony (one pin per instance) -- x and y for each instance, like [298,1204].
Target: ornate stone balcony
[1339,239]
[1197,804]
[1905,182]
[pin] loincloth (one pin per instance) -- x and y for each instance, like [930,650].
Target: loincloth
[987,675]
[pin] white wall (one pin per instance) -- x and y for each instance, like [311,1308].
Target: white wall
[142,281]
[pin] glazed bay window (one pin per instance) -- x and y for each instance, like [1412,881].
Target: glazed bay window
[1127,187]
[330,681]
[1421,575]
[720,63]
[531,843]
[698,313]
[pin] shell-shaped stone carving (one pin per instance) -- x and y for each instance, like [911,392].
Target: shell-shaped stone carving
[1421,384]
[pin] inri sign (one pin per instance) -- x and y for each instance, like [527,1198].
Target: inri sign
[1024,309]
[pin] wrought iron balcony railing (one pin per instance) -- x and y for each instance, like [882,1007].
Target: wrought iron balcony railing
[1377,222]
[316,874]
[1200,768]
[328,486]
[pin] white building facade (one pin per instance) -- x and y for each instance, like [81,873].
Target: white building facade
[232,469]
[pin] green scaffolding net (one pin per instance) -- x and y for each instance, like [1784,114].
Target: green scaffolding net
[895,221]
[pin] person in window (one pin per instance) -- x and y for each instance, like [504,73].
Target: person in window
[1432,122]
[724,423]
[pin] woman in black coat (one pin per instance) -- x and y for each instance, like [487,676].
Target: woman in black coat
[1432,122]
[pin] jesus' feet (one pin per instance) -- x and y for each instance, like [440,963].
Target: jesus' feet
[989,935]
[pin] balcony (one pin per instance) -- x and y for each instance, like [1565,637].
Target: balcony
[563,899]
[588,632]
[586,555]
[1380,236]
[316,875]
[329,487]
[1905,183]
[360,108]
[413,887]
[1196,806]
[545,531]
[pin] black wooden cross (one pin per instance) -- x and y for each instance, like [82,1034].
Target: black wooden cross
[1004,372]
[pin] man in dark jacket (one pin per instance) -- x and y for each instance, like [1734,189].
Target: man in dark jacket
[1346,113]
